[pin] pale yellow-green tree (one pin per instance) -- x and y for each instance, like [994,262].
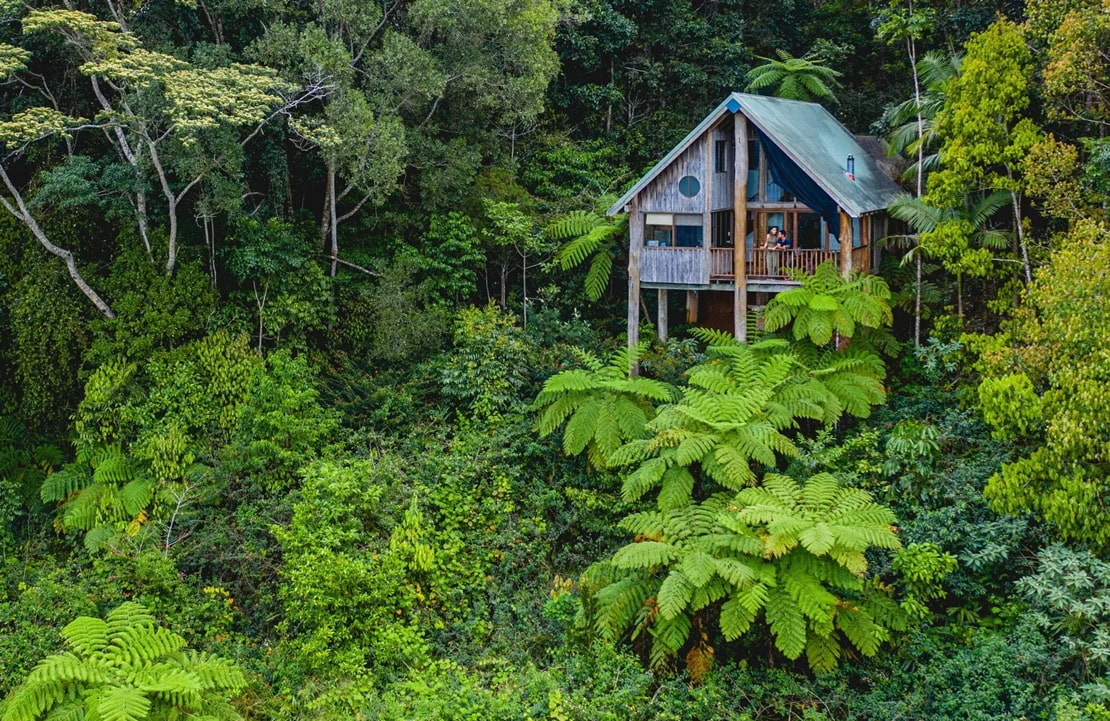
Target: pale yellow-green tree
[171,122]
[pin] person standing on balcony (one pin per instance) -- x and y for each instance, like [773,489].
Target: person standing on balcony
[769,261]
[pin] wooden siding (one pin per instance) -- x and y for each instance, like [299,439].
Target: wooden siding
[685,266]
[861,259]
[662,196]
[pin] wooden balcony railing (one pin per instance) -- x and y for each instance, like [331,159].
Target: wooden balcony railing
[771,264]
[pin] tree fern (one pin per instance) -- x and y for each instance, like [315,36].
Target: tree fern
[826,303]
[589,234]
[600,405]
[124,668]
[788,552]
[103,492]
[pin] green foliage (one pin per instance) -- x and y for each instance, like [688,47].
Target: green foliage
[736,412]
[992,674]
[49,336]
[401,319]
[791,553]
[154,312]
[103,493]
[923,567]
[287,292]
[957,236]
[24,462]
[981,125]
[489,364]
[281,424]
[449,257]
[826,303]
[805,78]
[197,389]
[586,234]
[1068,595]
[602,406]
[124,668]
[1044,386]
[345,588]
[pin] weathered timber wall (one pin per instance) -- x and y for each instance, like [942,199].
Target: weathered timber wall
[674,265]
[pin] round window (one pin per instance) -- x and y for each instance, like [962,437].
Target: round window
[689,186]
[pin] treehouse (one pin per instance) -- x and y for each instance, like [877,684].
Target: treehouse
[753,163]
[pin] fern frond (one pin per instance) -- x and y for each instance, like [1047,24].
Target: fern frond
[813,600]
[619,603]
[86,635]
[33,698]
[737,572]
[573,224]
[136,495]
[644,554]
[61,483]
[787,623]
[99,537]
[822,653]
[214,672]
[668,636]
[673,595]
[121,703]
[676,489]
[698,568]
[597,278]
[643,479]
[860,629]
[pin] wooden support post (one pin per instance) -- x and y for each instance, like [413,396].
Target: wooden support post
[635,244]
[865,241]
[740,226]
[845,245]
[707,208]
[661,316]
[691,307]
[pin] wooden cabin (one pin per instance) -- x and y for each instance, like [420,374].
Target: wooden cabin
[753,163]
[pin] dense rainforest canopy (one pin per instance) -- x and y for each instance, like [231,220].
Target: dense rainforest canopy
[314,398]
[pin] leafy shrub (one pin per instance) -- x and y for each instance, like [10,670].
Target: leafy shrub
[489,365]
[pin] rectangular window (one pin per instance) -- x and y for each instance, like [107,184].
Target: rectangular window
[720,156]
[721,232]
[688,230]
[658,236]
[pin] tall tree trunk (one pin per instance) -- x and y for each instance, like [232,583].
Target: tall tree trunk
[123,146]
[171,205]
[960,296]
[504,284]
[917,302]
[333,222]
[1025,264]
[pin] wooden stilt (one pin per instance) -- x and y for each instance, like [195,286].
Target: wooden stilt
[635,243]
[740,225]
[661,316]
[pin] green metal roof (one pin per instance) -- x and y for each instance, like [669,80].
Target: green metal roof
[811,137]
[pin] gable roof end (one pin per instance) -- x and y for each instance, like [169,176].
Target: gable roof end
[811,137]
